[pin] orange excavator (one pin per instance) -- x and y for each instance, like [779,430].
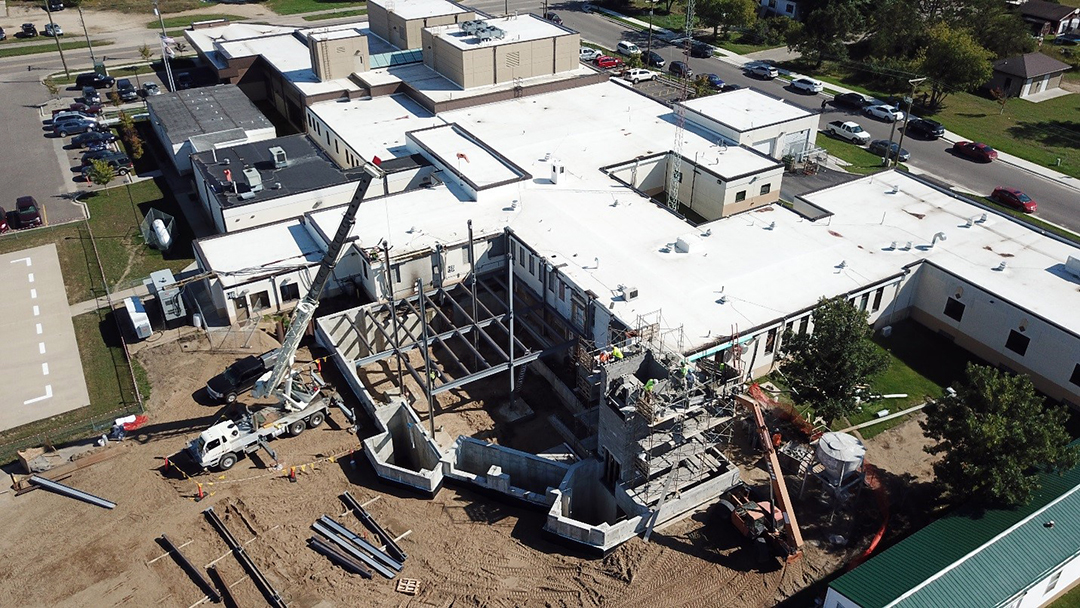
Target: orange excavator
[774,520]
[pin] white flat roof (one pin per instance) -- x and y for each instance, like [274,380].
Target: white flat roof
[203,40]
[456,149]
[746,109]
[290,56]
[242,256]
[518,28]
[375,127]
[420,9]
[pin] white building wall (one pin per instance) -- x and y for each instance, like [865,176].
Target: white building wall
[239,217]
[771,140]
[1039,595]
[334,146]
[833,599]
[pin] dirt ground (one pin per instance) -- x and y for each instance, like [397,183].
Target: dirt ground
[466,549]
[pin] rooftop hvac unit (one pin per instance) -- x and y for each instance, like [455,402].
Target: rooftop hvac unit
[253,178]
[247,195]
[281,160]
[628,293]
[1073,266]
[470,27]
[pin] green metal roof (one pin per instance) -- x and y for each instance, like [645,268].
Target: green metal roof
[1002,557]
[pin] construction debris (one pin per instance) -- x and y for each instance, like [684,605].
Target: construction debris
[272,596]
[391,546]
[71,492]
[191,570]
[21,483]
[408,586]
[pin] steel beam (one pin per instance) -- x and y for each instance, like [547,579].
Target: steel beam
[369,521]
[191,570]
[269,593]
[71,492]
[223,587]
[375,552]
[351,549]
[339,558]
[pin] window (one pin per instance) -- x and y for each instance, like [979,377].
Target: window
[1075,377]
[397,274]
[765,189]
[864,301]
[290,292]
[954,309]
[1052,582]
[337,148]
[877,299]
[790,8]
[551,282]
[562,296]
[260,300]
[1015,603]
[772,3]
[532,265]
[804,324]
[770,340]
[740,196]
[1017,342]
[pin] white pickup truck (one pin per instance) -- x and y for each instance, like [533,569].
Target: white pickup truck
[848,130]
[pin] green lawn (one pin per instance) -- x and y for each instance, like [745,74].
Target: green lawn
[40,49]
[742,48]
[1072,598]
[862,162]
[185,21]
[292,7]
[336,15]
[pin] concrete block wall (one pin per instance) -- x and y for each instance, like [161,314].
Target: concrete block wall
[517,474]
[583,484]
[398,424]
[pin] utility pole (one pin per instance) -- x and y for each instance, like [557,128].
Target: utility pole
[914,82]
[59,48]
[165,48]
[86,34]
[652,5]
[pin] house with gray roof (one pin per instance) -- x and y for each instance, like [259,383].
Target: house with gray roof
[1049,18]
[1027,75]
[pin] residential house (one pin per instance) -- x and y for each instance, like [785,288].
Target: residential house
[1050,18]
[786,8]
[1027,75]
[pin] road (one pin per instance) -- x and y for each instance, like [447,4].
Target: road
[1057,203]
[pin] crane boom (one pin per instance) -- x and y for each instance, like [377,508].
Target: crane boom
[305,310]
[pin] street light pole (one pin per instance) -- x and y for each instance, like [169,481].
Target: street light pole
[652,4]
[914,82]
[87,35]
[59,48]
[165,49]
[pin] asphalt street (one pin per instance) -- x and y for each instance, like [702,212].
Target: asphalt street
[1057,203]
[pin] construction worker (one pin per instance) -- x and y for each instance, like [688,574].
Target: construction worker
[616,353]
[649,385]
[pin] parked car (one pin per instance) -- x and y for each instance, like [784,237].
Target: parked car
[680,69]
[63,115]
[26,212]
[653,59]
[924,128]
[587,7]
[884,112]
[714,81]
[126,90]
[98,81]
[1011,197]
[29,30]
[3,221]
[554,18]
[53,29]
[637,75]
[807,85]
[848,130]
[151,88]
[1066,40]
[607,62]
[119,163]
[728,86]
[72,127]
[81,108]
[627,48]
[184,80]
[763,71]
[887,149]
[3,34]
[975,151]
[585,54]
[55,5]
[240,376]
[90,96]
[701,50]
[105,154]
[849,100]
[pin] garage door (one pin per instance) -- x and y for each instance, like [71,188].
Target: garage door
[765,147]
[794,143]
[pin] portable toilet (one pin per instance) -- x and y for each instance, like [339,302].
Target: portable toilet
[140,322]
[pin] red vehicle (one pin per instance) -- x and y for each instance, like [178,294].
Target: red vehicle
[607,61]
[975,151]
[1011,197]
[3,221]
[89,110]
[27,212]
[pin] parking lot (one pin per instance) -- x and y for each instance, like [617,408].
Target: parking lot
[40,358]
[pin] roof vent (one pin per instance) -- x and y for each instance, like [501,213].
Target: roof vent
[281,160]
[247,195]
[253,178]
[1049,524]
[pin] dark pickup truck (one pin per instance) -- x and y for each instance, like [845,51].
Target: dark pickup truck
[240,376]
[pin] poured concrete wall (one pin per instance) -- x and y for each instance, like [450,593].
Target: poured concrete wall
[403,452]
[583,495]
[512,472]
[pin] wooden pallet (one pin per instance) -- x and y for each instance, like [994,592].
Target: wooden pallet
[408,586]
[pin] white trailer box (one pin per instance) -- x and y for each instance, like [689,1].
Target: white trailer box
[140,322]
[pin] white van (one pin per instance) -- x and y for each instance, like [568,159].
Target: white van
[627,48]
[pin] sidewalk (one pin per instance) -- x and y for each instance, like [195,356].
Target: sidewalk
[80,308]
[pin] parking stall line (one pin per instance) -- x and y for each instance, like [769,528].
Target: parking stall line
[31,277]
[39,329]
[37,311]
[44,369]
[33,294]
[41,347]
[47,395]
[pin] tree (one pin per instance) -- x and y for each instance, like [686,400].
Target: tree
[100,173]
[145,52]
[726,14]
[1001,96]
[954,62]
[996,434]
[181,48]
[52,87]
[825,367]
[828,25]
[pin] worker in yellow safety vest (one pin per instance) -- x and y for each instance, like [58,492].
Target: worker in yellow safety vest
[649,385]
[616,353]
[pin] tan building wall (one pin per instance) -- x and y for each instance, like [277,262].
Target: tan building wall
[338,57]
[408,34]
[377,20]
[500,63]
[567,49]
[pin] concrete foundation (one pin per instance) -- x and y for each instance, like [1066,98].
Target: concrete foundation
[586,513]
[517,474]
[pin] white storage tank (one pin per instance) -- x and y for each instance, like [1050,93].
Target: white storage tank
[140,322]
[841,454]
